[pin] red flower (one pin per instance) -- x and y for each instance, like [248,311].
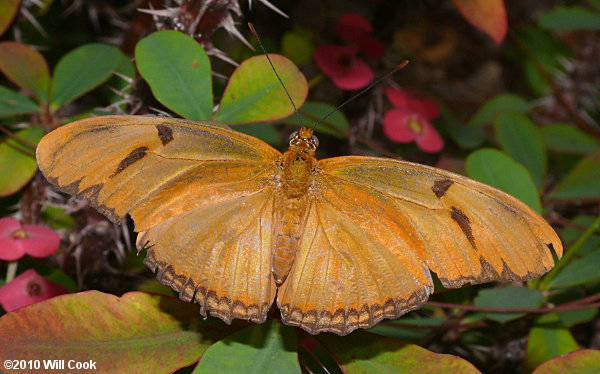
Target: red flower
[343,67]
[17,240]
[409,121]
[356,30]
[28,288]
[413,102]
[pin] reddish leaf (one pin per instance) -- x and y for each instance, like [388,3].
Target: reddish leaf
[584,361]
[488,16]
[8,9]
[135,333]
[26,67]
[253,93]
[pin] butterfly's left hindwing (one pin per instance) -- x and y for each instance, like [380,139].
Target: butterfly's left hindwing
[218,255]
[151,167]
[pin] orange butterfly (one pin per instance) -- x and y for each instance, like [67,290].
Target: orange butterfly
[340,243]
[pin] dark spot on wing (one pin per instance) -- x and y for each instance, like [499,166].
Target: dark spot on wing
[441,187]
[165,133]
[135,155]
[463,222]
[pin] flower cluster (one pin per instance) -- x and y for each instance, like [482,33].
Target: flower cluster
[341,63]
[16,241]
[409,120]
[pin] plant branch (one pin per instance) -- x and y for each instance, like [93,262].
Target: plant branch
[473,308]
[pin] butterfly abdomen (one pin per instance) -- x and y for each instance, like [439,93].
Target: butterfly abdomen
[290,210]
[288,230]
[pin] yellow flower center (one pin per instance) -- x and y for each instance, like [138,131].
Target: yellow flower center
[415,125]
[19,234]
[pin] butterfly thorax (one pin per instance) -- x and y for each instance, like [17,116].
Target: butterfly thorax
[298,164]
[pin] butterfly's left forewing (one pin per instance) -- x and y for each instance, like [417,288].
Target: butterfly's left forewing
[153,168]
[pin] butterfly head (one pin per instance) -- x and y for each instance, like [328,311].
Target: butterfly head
[303,140]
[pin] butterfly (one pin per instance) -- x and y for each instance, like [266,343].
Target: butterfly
[339,243]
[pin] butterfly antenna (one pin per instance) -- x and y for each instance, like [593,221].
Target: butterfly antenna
[399,67]
[275,71]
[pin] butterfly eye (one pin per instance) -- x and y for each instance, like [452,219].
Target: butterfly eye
[293,135]
[314,140]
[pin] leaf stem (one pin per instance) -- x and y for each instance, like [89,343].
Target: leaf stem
[11,271]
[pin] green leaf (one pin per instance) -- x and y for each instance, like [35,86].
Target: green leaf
[81,70]
[362,352]
[561,137]
[570,18]
[499,104]
[57,218]
[26,67]
[466,137]
[583,361]
[575,317]
[16,167]
[497,169]
[571,233]
[266,348]
[264,131]
[407,334]
[298,47]
[583,181]
[12,103]
[312,111]
[508,297]
[546,51]
[580,271]
[8,9]
[521,139]
[547,339]
[178,71]
[135,333]
[254,94]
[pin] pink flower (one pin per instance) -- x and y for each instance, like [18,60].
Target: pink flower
[409,120]
[356,30]
[340,63]
[17,240]
[28,288]
[414,102]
